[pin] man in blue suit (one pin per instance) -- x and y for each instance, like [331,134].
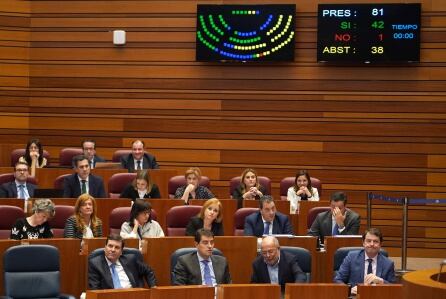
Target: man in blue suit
[267,221]
[83,181]
[19,188]
[369,265]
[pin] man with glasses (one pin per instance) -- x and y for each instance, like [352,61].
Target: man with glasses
[275,266]
[89,148]
[202,267]
[19,188]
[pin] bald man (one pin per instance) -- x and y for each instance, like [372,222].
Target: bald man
[275,266]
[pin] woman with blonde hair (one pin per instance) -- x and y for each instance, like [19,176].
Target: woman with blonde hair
[84,223]
[192,189]
[210,218]
[249,187]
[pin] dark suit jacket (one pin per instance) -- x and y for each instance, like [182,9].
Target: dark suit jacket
[148,162]
[254,225]
[289,270]
[9,190]
[195,223]
[352,268]
[99,276]
[187,270]
[72,187]
[322,225]
[97,159]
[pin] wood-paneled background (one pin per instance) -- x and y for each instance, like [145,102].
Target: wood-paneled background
[357,128]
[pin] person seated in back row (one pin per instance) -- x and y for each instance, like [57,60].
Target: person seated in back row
[369,265]
[83,181]
[193,189]
[89,148]
[267,221]
[142,186]
[210,218]
[249,188]
[138,159]
[34,156]
[337,221]
[302,190]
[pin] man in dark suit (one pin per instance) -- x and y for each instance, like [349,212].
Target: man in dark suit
[201,267]
[82,181]
[138,159]
[19,188]
[369,265]
[337,221]
[89,148]
[113,270]
[267,221]
[275,266]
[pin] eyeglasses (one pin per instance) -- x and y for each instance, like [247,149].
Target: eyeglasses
[22,170]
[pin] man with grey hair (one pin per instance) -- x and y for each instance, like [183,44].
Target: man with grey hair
[275,266]
[267,221]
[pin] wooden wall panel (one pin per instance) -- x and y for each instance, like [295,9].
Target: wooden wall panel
[358,128]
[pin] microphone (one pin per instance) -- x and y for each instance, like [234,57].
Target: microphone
[441,268]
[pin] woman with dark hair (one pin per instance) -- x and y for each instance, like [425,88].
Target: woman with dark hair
[302,190]
[35,226]
[210,218]
[141,187]
[249,187]
[84,223]
[34,156]
[140,224]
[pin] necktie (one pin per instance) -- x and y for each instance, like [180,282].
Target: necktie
[115,277]
[335,230]
[266,228]
[138,165]
[369,267]
[22,191]
[84,186]
[207,273]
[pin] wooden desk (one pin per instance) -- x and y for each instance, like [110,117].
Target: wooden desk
[307,242]
[139,293]
[304,207]
[381,291]
[316,291]
[423,285]
[240,252]
[331,245]
[47,176]
[177,292]
[257,291]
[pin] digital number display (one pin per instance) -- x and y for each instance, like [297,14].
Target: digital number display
[368,32]
[245,32]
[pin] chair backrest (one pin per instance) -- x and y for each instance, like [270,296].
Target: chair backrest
[239,219]
[117,217]
[58,182]
[313,212]
[118,182]
[287,182]
[303,258]
[57,223]
[20,152]
[8,216]
[263,180]
[9,177]
[342,252]
[182,251]
[180,180]
[66,156]
[119,153]
[178,217]
[28,275]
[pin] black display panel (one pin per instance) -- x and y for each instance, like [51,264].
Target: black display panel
[368,32]
[245,32]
